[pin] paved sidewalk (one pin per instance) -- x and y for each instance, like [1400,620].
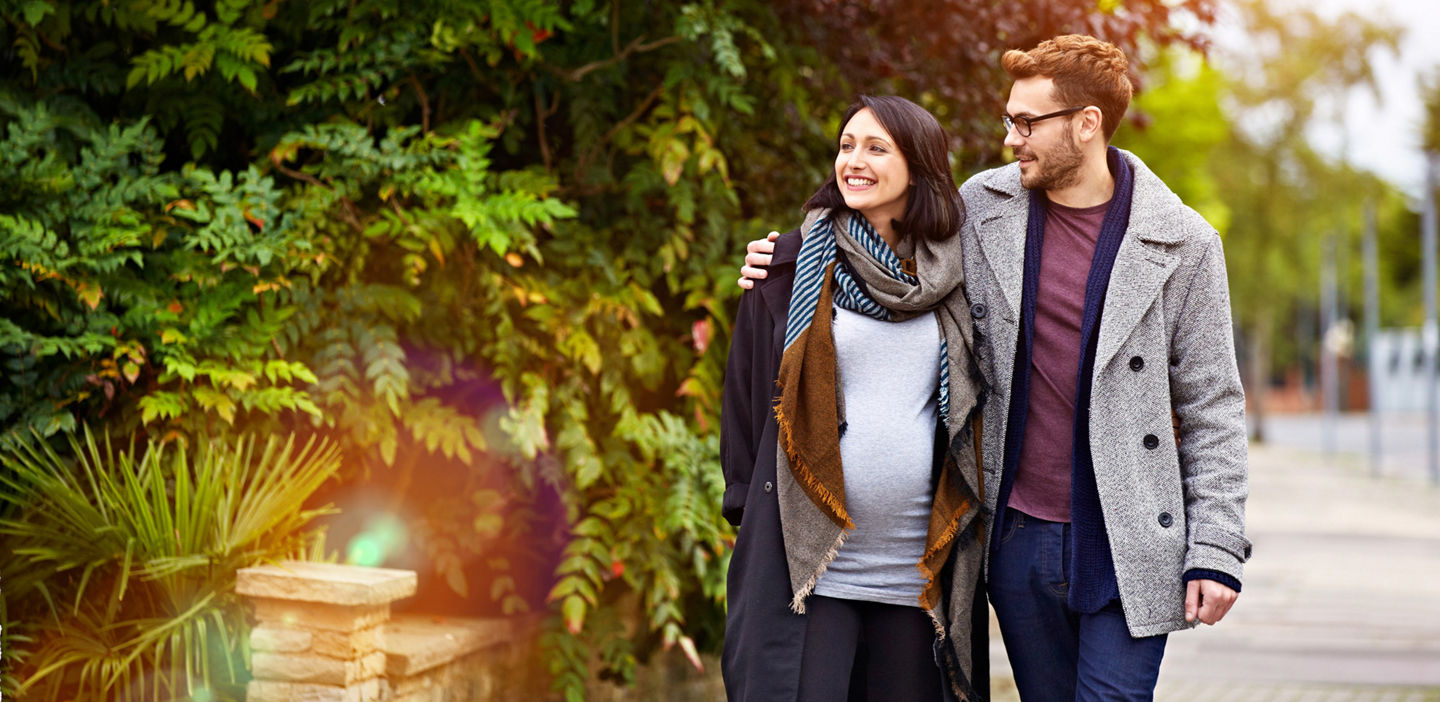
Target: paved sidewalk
[1341,599]
[1403,438]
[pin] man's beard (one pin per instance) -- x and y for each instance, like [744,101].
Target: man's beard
[1059,169]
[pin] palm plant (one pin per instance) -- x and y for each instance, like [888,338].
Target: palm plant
[119,565]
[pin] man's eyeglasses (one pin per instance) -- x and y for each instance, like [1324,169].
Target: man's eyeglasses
[1023,125]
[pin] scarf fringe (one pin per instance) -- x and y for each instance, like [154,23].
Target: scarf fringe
[833,507]
[797,603]
[928,598]
[935,621]
[929,595]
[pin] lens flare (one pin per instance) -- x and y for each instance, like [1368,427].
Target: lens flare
[384,534]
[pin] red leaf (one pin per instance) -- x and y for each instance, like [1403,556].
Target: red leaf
[536,34]
[700,333]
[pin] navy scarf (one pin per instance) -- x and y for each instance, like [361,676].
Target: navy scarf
[1092,568]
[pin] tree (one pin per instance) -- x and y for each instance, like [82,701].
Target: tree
[1285,198]
[948,53]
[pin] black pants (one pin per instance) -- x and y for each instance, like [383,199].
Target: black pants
[867,652]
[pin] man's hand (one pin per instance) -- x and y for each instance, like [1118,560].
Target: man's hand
[1207,600]
[757,253]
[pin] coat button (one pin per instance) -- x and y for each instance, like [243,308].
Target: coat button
[1151,442]
[769,486]
[1136,363]
[1166,520]
[977,310]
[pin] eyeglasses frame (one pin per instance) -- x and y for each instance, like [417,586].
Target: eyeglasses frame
[1029,122]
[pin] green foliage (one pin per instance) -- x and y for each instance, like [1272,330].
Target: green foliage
[1184,124]
[119,564]
[128,278]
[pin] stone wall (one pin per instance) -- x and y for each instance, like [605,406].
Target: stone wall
[434,659]
[320,630]
[324,633]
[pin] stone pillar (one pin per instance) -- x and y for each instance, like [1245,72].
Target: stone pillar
[320,631]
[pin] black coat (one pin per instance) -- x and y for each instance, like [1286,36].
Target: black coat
[763,638]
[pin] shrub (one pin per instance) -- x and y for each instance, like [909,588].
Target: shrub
[119,564]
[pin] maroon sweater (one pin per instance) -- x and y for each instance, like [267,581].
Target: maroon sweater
[1042,480]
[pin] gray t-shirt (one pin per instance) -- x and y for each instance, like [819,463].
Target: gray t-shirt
[890,372]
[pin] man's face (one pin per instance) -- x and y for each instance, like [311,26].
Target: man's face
[1050,157]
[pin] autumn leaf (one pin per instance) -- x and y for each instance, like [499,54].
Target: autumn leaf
[89,293]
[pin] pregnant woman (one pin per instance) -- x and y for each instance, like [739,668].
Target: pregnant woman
[849,437]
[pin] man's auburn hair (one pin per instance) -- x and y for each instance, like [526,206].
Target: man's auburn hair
[1086,71]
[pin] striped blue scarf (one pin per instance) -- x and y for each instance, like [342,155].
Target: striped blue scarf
[817,253]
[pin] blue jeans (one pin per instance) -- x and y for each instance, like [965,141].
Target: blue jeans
[1057,653]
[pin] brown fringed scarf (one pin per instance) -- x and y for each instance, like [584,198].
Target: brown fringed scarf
[810,410]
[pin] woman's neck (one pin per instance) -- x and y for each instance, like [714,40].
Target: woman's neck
[886,229]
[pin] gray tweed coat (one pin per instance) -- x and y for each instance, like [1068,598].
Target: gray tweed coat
[1165,343]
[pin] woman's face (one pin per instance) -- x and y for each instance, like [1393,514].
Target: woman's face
[870,170]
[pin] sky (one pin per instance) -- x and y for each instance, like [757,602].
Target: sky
[1385,137]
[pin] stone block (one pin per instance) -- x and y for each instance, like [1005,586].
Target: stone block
[436,695]
[287,614]
[271,691]
[310,668]
[276,640]
[422,684]
[348,644]
[415,644]
[326,582]
[373,690]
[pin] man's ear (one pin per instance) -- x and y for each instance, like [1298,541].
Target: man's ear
[1091,124]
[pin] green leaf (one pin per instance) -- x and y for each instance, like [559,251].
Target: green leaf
[246,76]
[35,10]
[580,346]
[573,609]
[220,403]
[488,525]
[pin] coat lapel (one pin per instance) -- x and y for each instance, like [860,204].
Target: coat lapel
[1002,237]
[1141,265]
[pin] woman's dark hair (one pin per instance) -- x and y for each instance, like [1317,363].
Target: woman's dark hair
[935,210]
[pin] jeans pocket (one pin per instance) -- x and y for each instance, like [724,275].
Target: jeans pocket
[1013,520]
